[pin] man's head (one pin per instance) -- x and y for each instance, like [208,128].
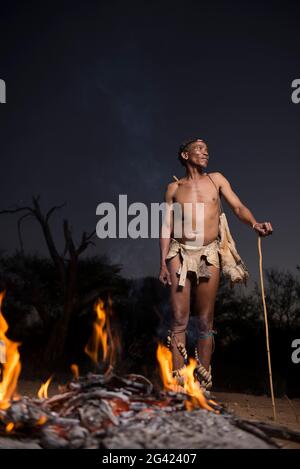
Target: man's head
[194,151]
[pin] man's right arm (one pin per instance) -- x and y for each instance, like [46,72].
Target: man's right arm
[165,233]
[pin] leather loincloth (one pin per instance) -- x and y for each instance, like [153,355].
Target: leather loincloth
[221,253]
[193,258]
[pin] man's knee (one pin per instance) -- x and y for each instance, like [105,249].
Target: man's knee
[205,323]
[180,319]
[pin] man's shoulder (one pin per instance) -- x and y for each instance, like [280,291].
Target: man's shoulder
[171,188]
[173,185]
[218,177]
[216,174]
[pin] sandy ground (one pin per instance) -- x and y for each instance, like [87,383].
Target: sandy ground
[243,405]
[260,408]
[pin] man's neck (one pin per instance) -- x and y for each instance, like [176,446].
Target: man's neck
[195,173]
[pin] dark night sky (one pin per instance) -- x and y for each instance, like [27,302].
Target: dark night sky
[101,93]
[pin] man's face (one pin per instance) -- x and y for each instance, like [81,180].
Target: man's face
[197,153]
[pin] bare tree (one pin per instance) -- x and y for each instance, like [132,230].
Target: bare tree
[67,268]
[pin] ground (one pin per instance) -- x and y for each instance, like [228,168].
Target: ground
[243,405]
[260,408]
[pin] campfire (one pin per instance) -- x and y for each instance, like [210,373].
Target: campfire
[105,410]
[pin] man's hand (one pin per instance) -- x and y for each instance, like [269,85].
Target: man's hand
[263,229]
[164,275]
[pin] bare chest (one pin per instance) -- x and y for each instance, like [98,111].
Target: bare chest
[203,191]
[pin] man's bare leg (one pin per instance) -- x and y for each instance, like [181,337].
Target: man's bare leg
[180,310]
[204,305]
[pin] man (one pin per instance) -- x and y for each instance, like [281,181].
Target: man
[190,268]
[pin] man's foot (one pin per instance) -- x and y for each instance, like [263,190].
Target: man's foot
[177,388]
[204,391]
[203,377]
[178,381]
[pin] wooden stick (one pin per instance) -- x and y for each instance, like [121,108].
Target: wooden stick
[272,430]
[266,325]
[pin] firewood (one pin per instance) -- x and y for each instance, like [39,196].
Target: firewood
[275,431]
[126,412]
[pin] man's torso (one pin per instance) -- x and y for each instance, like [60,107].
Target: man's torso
[192,192]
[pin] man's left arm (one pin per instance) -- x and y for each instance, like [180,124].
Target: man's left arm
[241,211]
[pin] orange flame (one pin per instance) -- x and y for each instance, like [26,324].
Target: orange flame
[75,370]
[10,359]
[9,427]
[102,336]
[114,341]
[191,386]
[42,420]
[164,357]
[43,391]
[99,335]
